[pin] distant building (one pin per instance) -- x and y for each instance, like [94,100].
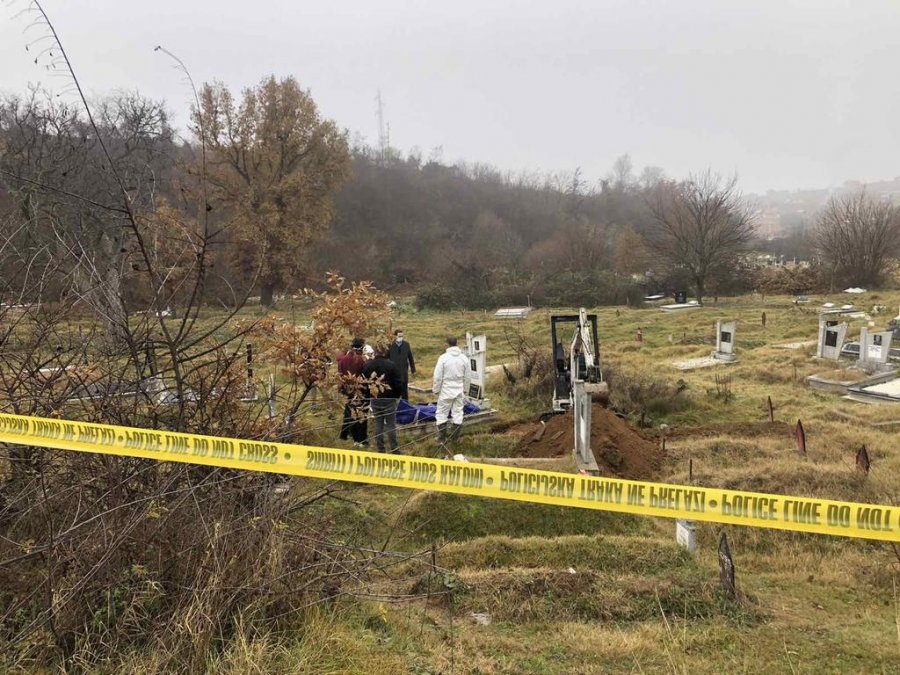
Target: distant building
[768,223]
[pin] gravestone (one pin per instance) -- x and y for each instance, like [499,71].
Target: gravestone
[831,339]
[874,348]
[725,340]
[680,297]
[686,534]
[476,350]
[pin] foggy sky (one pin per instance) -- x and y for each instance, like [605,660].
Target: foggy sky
[787,93]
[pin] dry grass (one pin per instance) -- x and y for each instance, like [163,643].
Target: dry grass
[802,589]
[636,603]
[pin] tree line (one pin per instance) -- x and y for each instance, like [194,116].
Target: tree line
[288,197]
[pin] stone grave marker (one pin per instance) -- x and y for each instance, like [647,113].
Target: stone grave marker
[680,297]
[686,534]
[476,350]
[874,348]
[725,340]
[831,339]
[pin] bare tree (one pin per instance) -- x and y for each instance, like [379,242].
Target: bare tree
[702,225]
[650,176]
[622,175]
[856,237]
[56,167]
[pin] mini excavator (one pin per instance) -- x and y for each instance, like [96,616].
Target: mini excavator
[578,381]
[581,363]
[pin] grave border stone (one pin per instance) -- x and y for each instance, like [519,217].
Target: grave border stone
[512,313]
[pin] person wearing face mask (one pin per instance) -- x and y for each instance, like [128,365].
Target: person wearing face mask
[402,356]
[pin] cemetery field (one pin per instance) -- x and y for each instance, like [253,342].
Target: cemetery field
[524,588]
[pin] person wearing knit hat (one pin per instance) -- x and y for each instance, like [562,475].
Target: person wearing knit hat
[350,370]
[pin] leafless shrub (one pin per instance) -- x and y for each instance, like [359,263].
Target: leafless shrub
[99,242]
[857,236]
[532,377]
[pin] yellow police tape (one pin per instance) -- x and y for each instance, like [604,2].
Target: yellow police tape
[733,507]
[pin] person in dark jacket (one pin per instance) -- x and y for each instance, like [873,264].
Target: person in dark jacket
[402,356]
[384,397]
[350,369]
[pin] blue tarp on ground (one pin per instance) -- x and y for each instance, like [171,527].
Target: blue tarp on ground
[407,413]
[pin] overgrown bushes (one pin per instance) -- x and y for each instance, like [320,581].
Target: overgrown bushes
[794,281]
[636,392]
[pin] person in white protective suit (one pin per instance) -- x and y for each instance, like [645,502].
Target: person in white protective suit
[451,382]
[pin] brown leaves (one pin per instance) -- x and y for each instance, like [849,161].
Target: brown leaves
[275,164]
[340,314]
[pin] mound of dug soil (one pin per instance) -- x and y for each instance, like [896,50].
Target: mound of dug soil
[619,449]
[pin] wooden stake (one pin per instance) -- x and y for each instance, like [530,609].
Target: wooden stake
[862,460]
[801,438]
[726,568]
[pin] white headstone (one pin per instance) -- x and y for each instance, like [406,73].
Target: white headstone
[831,339]
[874,348]
[686,534]
[725,340]
[476,349]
